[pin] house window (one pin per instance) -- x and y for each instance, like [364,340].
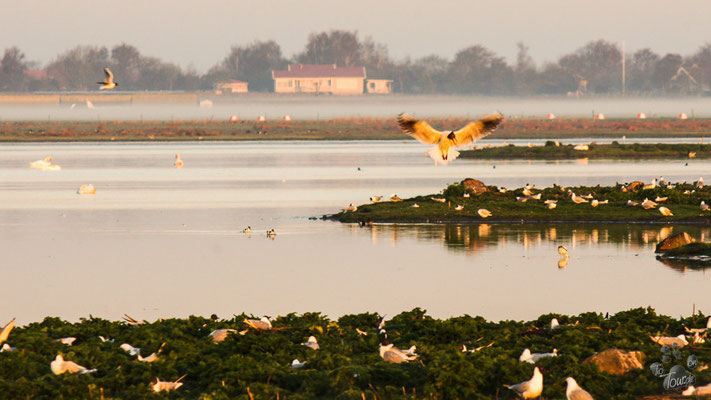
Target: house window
[372,85]
[329,82]
[291,83]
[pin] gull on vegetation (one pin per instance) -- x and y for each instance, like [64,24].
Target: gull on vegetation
[67,340]
[351,207]
[526,191]
[582,147]
[700,183]
[533,358]
[438,199]
[651,185]
[522,199]
[577,199]
[108,82]
[392,354]
[312,343]
[134,351]
[6,347]
[594,203]
[484,213]
[703,206]
[459,208]
[59,366]
[219,335]
[503,190]
[666,212]
[45,165]
[104,340]
[444,152]
[394,198]
[466,194]
[670,341]
[551,206]
[158,386]
[660,199]
[296,364]
[554,323]
[575,392]
[153,356]
[531,388]
[415,205]
[691,330]
[474,350]
[363,333]
[178,161]
[130,321]
[263,324]
[648,204]
[376,199]
[662,182]
[631,203]
[5,333]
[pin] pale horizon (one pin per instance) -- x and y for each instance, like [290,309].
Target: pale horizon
[200,35]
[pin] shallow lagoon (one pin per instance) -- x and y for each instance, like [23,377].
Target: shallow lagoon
[159,242]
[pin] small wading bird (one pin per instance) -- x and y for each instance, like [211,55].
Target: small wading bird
[531,388]
[108,83]
[444,152]
[86,189]
[59,366]
[247,230]
[575,392]
[178,161]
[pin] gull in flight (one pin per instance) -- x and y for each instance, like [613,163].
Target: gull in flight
[219,335]
[157,385]
[178,161]
[134,351]
[296,364]
[263,324]
[153,356]
[392,354]
[670,341]
[483,212]
[575,392]
[312,343]
[446,141]
[531,388]
[108,83]
[59,366]
[5,333]
[533,358]
[45,165]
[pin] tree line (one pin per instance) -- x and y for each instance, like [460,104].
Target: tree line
[595,68]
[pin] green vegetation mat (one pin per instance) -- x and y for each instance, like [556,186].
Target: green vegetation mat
[335,129]
[506,209]
[348,365]
[610,151]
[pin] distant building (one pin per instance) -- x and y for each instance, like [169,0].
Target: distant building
[37,74]
[328,78]
[379,86]
[233,86]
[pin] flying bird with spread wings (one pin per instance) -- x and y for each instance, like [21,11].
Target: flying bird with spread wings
[444,152]
[108,83]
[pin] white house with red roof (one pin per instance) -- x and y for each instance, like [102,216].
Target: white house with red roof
[326,78]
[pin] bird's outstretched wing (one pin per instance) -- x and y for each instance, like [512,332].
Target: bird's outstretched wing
[477,130]
[109,75]
[418,129]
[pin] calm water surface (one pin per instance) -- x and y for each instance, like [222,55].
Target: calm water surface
[160,242]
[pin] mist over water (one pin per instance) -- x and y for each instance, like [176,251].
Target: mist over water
[326,107]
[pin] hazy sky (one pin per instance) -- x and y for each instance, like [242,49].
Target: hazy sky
[200,33]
